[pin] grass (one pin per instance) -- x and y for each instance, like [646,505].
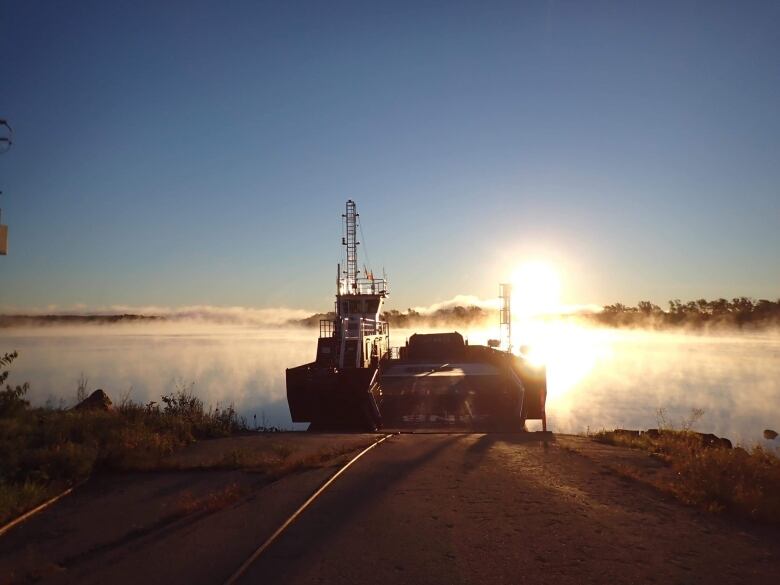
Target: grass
[739,481]
[16,498]
[320,458]
[279,460]
[45,450]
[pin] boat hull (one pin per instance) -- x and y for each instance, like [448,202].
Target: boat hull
[461,395]
[332,399]
[438,381]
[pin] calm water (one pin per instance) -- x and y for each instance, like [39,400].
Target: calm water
[598,378]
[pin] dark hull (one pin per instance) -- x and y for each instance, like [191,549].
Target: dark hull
[439,381]
[473,402]
[332,400]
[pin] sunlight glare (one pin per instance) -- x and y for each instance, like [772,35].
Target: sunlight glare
[536,289]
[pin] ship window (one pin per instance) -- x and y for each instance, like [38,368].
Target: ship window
[372,306]
[344,307]
[354,306]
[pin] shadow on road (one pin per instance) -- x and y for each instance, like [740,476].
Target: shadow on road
[357,492]
[477,451]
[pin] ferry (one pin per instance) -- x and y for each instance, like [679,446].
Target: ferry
[359,382]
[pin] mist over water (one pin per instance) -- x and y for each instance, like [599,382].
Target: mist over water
[239,365]
[598,378]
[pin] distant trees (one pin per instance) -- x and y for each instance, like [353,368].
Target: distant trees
[737,312]
[648,308]
[457,315]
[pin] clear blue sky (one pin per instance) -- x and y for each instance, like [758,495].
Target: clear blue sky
[177,153]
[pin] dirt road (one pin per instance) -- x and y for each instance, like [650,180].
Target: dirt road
[430,508]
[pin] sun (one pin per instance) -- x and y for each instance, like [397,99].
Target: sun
[536,289]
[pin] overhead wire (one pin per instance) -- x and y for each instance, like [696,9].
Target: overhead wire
[365,248]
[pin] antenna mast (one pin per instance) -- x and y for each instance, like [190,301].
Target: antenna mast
[351,243]
[505,314]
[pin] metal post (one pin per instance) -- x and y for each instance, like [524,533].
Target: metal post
[505,315]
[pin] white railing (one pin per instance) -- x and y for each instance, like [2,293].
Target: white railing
[355,328]
[364,286]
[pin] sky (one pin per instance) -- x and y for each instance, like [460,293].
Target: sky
[200,153]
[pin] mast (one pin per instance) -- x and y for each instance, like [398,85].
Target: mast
[350,242]
[505,313]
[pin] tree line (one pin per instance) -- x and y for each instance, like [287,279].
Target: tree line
[738,312]
[457,315]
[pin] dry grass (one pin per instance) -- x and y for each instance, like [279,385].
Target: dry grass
[44,450]
[326,456]
[744,482]
[16,498]
[278,460]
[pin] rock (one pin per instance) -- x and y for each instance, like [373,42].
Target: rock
[626,432]
[770,434]
[710,440]
[98,400]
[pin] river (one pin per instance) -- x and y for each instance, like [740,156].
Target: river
[598,378]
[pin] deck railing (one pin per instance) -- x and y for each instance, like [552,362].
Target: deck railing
[365,286]
[354,328]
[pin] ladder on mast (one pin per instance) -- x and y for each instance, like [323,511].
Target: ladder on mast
[351,244]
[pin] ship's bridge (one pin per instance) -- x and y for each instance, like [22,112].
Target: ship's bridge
[359,306]
[357,337]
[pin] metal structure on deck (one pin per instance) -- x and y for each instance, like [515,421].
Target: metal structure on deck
[505,315]
[349,241]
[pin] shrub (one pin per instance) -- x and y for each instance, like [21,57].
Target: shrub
[43,449]
[745,482]
[11,398]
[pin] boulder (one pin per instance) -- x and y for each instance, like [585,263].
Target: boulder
[710,440]
[626,432]
[770,434]
[98,400]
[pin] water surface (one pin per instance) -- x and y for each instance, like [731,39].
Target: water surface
[598,378]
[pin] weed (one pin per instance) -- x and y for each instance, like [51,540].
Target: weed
[686,424]
[41,448]
[745,482]
[82,388]
[12,399]
[15,498]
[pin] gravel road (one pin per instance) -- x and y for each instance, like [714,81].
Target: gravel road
[420,508]
[506,509]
